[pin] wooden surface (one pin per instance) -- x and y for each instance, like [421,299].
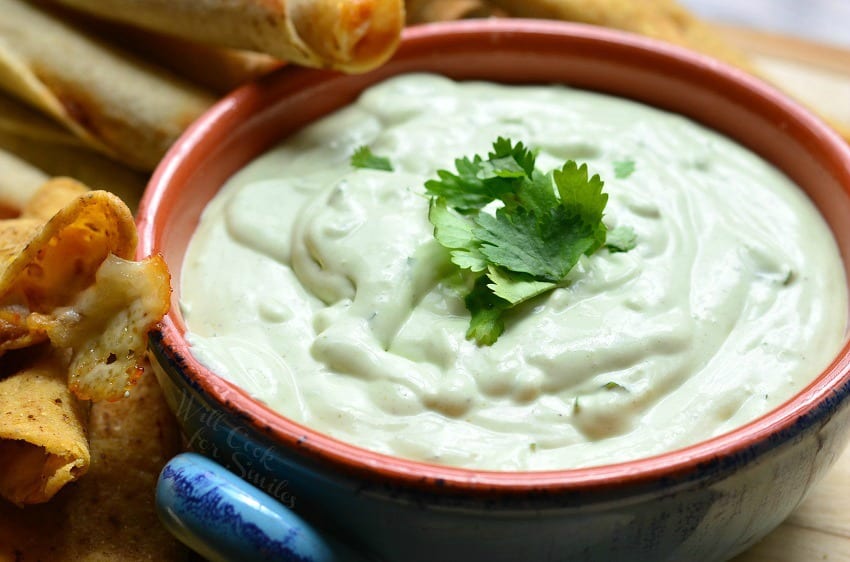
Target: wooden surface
[820,76]
[824,21]
[816,74]
[818,530]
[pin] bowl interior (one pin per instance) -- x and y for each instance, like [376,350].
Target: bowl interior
[257,116]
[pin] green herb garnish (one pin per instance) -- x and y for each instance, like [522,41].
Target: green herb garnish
[621,239]
[545,223]
[479,181]
[623,169]
[611,385]
[363,158]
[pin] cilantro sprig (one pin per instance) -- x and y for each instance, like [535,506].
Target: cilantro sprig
[623,168]
[544,223]
[363,158]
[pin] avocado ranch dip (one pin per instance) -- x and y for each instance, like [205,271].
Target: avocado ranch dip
[319,287]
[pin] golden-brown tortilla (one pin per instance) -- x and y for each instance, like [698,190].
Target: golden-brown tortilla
[74,316]
[352,36]
[109,515]
[115,102]
[43,441]
[44,266]
[69,280]
[217,69]
[53,150]
[19,120]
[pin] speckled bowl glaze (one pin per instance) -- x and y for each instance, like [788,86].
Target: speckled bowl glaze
[706,502]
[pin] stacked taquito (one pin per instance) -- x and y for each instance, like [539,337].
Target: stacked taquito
[83,431]
[352,36]
[109,514]
[125,78]
[81,422]
[74,316]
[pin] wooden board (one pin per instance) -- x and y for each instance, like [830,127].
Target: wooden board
[818,530]
[816,74]
[820,76]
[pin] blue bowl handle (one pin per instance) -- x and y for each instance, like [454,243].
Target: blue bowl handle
[224,518]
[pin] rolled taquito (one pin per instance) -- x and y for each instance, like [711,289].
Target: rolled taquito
[352,36]
[126,108]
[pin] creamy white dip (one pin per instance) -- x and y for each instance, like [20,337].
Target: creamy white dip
[320,289]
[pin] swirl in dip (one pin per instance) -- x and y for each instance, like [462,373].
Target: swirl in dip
[320,289]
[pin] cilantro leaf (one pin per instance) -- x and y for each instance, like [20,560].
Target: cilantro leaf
[623,169]
[611,385]
[515,287]
[363,158]
[537,195]
[543,225]
[506,168]
[485,324]
[464,191]
[505,151]
[478,182]
[547,239]
[545,246]
[584,197]
[455,233]
[621,239]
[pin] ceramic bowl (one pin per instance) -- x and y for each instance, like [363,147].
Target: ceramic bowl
[706,502]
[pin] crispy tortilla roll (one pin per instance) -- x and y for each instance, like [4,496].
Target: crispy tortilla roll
[352,36]
[217,69]
[661,19]
[109,515]
[45,266]
[116,103]
[68,280]
[80,162]
[19,120]
[14,332]
[55,151]
[43,442]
